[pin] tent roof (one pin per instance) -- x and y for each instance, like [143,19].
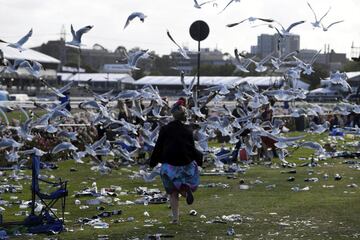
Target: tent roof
[28,54]
[97,77]
[208,80]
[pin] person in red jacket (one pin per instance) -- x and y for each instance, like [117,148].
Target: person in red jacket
[175,149]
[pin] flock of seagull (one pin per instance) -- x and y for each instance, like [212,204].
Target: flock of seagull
[244,125]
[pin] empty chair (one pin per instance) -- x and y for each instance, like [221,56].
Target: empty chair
[46,221]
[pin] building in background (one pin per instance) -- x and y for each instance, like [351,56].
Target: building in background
[22,81]
[91,59]
[267,44]
[332,60]
[207,56]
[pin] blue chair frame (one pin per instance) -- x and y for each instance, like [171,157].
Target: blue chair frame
[48,200]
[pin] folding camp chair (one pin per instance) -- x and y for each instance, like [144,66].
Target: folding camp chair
[47,220]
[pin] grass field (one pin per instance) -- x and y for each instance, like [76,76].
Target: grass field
[270,209]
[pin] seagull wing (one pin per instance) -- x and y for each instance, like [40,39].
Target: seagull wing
[236,52]
[334,23]
[81,31]
[325,14]
[182,79]
[313,59]
[293,25]
[312,11]
[73,32]
[25,38]
[206,2]
[66,87]
[128,21]
[4,116]
[290,54]
[235,24]
[197,5]
[25,64]
[265,19]
[265,59]
[226,6]
[192,83]
[135,58]
[172,39]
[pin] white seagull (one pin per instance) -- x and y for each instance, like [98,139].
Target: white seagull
[317,22]
[58,92]
[231,1]
[18,45]
[76,41]
[181,50]
[187,90]
[34,69]
[140,15]
[286,32]
[325,29]
[251,20]
[198,5]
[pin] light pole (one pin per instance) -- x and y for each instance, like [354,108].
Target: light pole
[199,31]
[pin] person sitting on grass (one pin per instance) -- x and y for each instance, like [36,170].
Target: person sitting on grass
[175,149]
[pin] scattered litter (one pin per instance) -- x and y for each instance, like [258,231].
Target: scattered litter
[337,177]
[244,187]
[193,213]
[230,231]
[311,179]
[232,218]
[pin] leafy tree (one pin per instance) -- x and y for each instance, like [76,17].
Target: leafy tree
[163,66]
[215,70]
[351,66]
[320,72]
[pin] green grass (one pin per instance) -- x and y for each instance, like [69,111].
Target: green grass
[279,213]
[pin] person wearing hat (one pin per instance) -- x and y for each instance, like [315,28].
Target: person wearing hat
[175,149]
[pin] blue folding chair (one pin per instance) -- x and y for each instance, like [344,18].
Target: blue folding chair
[47,220]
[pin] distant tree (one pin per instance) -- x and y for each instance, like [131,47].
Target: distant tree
[215,70]
[320,72]
[163,66]
[351,66]
[137,74]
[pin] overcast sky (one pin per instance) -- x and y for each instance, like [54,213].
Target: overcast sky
[46,17]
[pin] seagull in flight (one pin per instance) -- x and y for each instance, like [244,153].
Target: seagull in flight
[181,50]
[251,20]
[241,65]
[34,69]
[18,45]
[231,1]
[260,65]
[317,22]
[286,32]
[187,90]
[140,15]
[197,5]
[325,29]
[76,41]
[58,92]
[135,57]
